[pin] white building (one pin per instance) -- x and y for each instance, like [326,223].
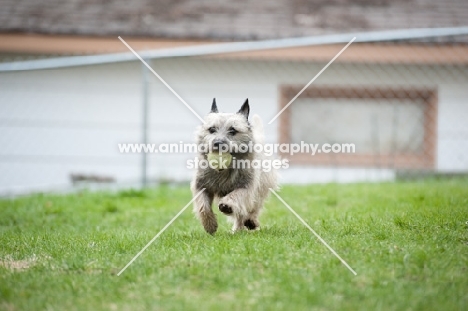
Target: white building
[402,102]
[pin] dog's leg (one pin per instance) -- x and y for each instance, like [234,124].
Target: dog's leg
[202,208]
[268,180]
[235,204]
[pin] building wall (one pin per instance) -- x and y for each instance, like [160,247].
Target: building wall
[57,122]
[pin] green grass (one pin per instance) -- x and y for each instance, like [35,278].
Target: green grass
[408,243]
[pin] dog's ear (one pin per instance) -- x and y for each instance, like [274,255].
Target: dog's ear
[214,108]
[245,109]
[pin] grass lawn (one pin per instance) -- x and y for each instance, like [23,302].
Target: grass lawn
[408,242]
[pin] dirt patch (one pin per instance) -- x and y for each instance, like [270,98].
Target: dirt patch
[7,306]
[18,265]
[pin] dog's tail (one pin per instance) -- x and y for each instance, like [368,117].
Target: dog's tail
[257,129]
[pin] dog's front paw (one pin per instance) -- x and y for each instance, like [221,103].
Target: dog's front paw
[209,222]
[227,205]
[225,209]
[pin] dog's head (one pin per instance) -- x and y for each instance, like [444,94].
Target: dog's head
[225,130]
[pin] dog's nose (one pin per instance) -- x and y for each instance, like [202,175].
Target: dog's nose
[217,143]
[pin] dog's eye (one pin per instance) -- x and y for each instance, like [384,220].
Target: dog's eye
[232,131]
[212,130]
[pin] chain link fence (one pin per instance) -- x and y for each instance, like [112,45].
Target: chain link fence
[402,104]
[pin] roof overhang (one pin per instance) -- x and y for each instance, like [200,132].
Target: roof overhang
[316,48]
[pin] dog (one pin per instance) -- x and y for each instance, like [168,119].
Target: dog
[239,191]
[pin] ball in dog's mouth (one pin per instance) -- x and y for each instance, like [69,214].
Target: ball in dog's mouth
[219,161]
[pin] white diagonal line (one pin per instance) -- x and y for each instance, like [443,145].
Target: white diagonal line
[313,79]
[160,232]
[315,233]
[162,80]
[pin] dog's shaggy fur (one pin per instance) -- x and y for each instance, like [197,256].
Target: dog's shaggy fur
[240,192]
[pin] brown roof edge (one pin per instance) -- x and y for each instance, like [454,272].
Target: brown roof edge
[82,45]
[404,53]
[411,53]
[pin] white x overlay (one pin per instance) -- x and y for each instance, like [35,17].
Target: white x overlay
[161,79]
[271,190]
[313,231]
[313,79]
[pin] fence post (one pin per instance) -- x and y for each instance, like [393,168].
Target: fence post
[144,129]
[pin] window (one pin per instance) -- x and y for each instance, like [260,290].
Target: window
[390,127]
